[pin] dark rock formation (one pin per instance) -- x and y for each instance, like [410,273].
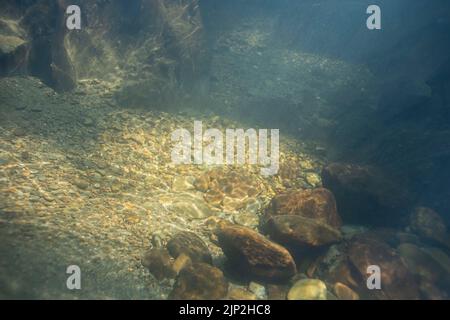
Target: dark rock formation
[429,225]
[365,196]
[48,58]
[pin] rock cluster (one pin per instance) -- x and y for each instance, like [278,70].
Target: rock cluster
[93,179]
[304,252]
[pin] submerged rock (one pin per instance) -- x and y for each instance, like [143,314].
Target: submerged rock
[308,289]
[364,195]
[429,225]
[181,262]
[298,231]
[277,292]
[255,255]
[421,263]
[159,263]
[343,292]
[191,245]
[258,290]
[200,281]
[397,281]
[240,294]
[318,204]
[334,266]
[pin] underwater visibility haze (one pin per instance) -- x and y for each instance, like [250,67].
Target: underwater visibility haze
[225,150]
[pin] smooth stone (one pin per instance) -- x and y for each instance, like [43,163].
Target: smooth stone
[240,294]
[308,289]
[258,289]
[200,281]
[81,184]
[343,292]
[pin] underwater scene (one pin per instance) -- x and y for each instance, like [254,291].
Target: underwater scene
[224,149]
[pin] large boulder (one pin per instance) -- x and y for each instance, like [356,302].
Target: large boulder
[254,255]
[200,281]
[13,47]
[300,232]
[48,58]
[318,204]
[366,196]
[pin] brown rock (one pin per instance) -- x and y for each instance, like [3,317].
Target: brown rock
[255,255]
[191,245]
[344,293]
[159,263]
[318,204]
[181,262]
[420,263]
[277,292]
[364,195]
[396,280]
[335,266]
[200,281]
[298,231]
[241,294]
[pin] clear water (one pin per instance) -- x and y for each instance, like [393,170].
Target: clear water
[91,117]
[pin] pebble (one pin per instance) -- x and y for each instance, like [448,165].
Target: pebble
[237,293]
[308,289]
[258,290]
